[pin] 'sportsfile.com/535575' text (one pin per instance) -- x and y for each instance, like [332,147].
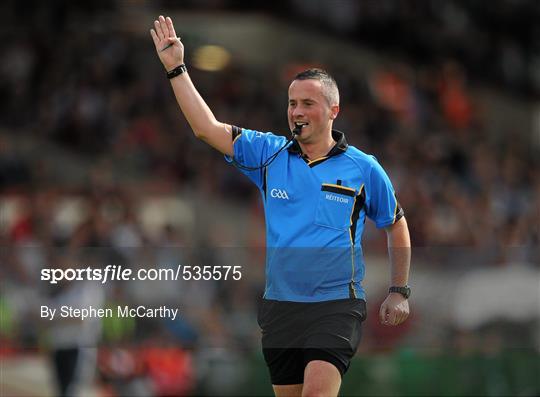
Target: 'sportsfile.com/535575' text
[124,273]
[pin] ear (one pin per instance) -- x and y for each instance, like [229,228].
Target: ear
[334,111]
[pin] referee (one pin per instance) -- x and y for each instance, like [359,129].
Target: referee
[317,192]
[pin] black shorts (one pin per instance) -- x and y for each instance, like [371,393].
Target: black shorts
[293,334]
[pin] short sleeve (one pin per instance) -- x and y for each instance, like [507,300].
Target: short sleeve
[252,148]
[382,205]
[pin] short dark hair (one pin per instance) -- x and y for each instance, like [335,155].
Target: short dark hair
[329,85]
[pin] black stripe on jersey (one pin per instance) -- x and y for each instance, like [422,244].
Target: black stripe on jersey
[399,211]
[358,204]
[335,189]
[265,175]
[313,163]
[235,131]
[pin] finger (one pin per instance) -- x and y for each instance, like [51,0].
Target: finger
[164,27]
[159,31]
[404,317]
[154,37]
[170,26]
[382,314]
[392,317]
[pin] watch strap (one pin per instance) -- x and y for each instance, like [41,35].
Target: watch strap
[177,71]
[404,291]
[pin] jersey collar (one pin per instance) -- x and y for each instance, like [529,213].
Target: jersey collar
[340,147]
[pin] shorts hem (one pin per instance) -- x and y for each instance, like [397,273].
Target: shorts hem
[323,355]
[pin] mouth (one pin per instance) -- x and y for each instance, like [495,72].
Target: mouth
[300,124]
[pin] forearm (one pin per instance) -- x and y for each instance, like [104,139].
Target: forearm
[196,111]
[399,251]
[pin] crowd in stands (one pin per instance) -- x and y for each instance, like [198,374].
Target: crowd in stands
[498,44]
[107,103]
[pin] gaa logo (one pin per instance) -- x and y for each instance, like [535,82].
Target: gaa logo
[278,193]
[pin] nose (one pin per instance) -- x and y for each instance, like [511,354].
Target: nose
[297,112]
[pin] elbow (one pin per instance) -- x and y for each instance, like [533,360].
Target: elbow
[205,130]
[199,134]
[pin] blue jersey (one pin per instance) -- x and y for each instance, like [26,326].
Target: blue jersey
[315,213]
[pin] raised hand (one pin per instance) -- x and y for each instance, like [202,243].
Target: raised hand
[168,47]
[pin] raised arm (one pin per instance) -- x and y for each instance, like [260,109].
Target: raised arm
[199,116]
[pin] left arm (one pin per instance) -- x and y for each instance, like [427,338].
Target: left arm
[395,308]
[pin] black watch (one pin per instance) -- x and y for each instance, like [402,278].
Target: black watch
[177,71]
[405,291]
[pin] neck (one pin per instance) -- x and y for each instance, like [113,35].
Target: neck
[318,149]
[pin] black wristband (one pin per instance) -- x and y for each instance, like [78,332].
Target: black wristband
[404,291]
[177,71]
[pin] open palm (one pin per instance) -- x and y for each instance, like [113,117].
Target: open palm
[168,47]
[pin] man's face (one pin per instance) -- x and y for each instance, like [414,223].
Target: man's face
[307,104]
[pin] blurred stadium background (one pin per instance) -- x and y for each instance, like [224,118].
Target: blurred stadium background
[97,165]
